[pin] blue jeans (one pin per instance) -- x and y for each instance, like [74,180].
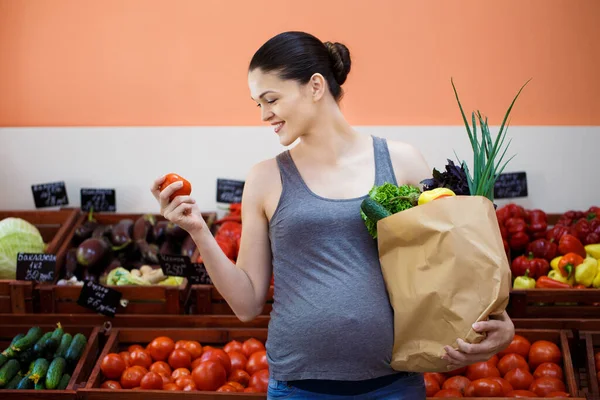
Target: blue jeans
[410,387]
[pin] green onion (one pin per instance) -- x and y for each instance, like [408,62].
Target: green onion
[487,155]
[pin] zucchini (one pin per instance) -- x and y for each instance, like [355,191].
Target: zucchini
[39,346]
[28,340]
[14,381]
[76,348]
[65,342]
[40,385]
[64,381]
[25,383]
[8,371]
[373,210]
[55,372]
[39,370]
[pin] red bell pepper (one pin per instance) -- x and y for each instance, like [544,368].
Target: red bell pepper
[514,225]
[581,229]
[543,248]
[537,221]
[518,241]
[530,266]
[545,282]
[592,238]
[516,210]
[502,214]
[569,263]
[556,233]
[570,244]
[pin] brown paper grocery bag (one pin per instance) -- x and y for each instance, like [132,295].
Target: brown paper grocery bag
[445,268]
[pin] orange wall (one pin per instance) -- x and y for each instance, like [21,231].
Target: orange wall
[183,62]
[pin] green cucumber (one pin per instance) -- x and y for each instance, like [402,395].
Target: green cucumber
[65,342]
[25,383]
[26,357]
[64,381]
[3,356]
[55,372]
[39,370]
[8,371]
[14,382]
[58,332]
[373,210]
[39,345]
[40,385]
[17,338]
[28,340]
[76,348]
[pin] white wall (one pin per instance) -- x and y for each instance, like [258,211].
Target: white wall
[562,163]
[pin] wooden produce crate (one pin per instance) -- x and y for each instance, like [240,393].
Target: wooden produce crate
[206,299]
[554,303]
[154,299]
[54,226]
[592,347]
[121,338]
[95,341]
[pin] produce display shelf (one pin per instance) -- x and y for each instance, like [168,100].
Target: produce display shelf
[554,303]
[121,338]
[55,227]
[206,299]
[81,373]
[153,299]
[592,347]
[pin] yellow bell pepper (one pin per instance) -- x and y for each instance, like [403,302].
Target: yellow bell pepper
[524,282]
[593,250]
[554,263]
[557,276]
[433,194]
[586,272]
[596,282]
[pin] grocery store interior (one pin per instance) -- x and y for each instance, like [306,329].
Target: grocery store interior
[105,296]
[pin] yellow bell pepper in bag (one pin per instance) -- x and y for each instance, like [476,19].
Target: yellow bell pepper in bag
[586,272]
[433,194]
[557,276]
[593,250]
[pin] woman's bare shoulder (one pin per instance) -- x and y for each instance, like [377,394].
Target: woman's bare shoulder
[410,166]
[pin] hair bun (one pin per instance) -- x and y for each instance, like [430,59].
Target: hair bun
[340,60]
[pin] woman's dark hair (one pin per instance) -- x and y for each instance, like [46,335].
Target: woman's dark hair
[299,55]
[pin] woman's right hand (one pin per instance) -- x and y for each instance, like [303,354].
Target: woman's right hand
[182,211]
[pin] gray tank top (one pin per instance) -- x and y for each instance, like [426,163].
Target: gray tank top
[331,316]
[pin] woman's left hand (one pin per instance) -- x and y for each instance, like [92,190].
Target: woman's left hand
[499,334]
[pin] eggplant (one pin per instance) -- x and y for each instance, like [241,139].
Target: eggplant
[168,247]
[94,254]
[160,230]
[84,231]
[175,232]
[143,229]
[149,253]
[121,232]
[71,266]
[188,247]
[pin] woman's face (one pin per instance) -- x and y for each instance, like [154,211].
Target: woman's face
[285,104]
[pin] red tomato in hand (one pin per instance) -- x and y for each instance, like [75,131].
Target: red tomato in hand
[519,378]
[112,366]
[459,383]
[112,385]
[141,358]
[260,380]
[186,190]
[209,375]
[522,394]
[238,360]
[548,369]
[546,385]
[217,355]
[252,346]
[234,345]
[160,348]
[481,370]
[448,393]
[519,345]
[543,351]
[506,387]
[257,361]
[152,381]
[240,376]
[432,386]
[180,358]
[511,361]
[484,388]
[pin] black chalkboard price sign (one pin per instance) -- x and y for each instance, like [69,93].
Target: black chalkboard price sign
[50,194]
[102,200]
[101,299]
[36,267]
[174,265]
[229,191]
[511,185]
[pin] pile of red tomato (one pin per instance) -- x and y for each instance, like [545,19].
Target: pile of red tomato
[188,366]
[523,370]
